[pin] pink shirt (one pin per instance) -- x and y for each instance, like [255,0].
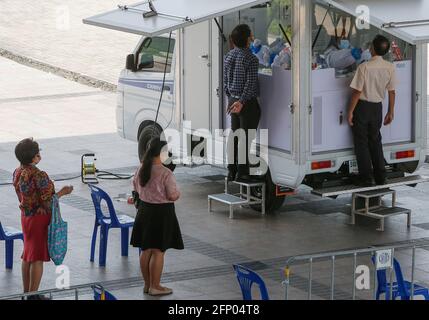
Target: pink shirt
[161,188]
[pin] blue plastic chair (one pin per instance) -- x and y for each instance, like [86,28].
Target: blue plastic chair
[401,288]
[9,235]
[107,222]
[100,294]
[246,278]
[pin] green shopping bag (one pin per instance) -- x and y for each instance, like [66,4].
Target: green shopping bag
[57,234]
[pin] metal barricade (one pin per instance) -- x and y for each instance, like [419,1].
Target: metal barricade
[72,290]
[334,256]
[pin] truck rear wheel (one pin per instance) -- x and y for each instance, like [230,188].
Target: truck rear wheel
[272,201]
[408,167]
[147,133]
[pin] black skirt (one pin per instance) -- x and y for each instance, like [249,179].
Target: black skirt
[156,227]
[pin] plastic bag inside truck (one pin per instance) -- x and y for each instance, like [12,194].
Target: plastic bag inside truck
[271,26]
[339,46]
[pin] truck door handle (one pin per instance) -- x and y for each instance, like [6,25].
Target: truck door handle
[205,56]
[167,88]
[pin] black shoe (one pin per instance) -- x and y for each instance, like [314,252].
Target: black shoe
[364,183]
[381,182]
[231,175]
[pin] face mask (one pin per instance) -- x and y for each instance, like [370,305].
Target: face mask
[344,44]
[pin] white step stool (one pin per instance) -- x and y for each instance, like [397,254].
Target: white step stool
[242,198]
[378,211]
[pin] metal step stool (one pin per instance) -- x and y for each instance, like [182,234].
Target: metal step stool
[378,211]
[242,198]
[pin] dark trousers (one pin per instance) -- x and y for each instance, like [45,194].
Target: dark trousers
[247,119]
[367,122]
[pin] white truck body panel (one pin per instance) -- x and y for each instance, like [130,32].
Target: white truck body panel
[173,15]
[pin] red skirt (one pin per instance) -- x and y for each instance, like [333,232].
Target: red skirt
[35,229]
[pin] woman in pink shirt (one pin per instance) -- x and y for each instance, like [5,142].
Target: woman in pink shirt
[156,228]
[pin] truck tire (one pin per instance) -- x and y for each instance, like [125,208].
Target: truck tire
[147,133]
[408,167]
[272,201]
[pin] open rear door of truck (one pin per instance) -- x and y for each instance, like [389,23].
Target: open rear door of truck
[405,19]
[152,18]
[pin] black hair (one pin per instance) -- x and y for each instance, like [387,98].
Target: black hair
[240,35]
[154,149]
[26,150]
[381,45]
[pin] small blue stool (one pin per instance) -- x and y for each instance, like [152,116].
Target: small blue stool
[106,223]
[9,235]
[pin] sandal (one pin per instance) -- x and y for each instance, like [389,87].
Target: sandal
[156,292]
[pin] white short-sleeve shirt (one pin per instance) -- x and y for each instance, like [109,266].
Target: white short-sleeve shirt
[373,78]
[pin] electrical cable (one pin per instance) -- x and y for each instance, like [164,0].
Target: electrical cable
[220,30]
[104,175]
[320,28]
[163,85]
[56,180]
[285,34]
[66,179]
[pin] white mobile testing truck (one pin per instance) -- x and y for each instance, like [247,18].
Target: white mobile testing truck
[303,105]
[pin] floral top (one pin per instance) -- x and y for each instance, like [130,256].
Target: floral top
[34,190]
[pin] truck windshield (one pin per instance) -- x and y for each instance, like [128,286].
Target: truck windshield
[153,54]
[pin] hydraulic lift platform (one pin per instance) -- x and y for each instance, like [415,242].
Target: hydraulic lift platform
[374,209]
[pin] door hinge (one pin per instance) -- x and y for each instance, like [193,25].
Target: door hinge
[291,108]
[310,109]
[417,96]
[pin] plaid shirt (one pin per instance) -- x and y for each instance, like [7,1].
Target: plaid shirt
[241,75]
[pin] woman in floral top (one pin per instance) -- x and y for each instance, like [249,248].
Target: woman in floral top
[35,191]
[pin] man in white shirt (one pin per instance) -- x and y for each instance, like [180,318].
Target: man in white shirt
[371,81]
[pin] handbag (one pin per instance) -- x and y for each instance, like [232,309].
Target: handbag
[136,199]
[57,234]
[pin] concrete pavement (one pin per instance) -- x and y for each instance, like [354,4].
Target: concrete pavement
[52,32]
[34,108]
[34,102]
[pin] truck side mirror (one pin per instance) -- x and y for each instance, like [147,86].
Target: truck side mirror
[146,62]
[131,63]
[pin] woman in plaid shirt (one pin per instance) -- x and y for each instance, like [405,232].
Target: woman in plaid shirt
[242,89]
